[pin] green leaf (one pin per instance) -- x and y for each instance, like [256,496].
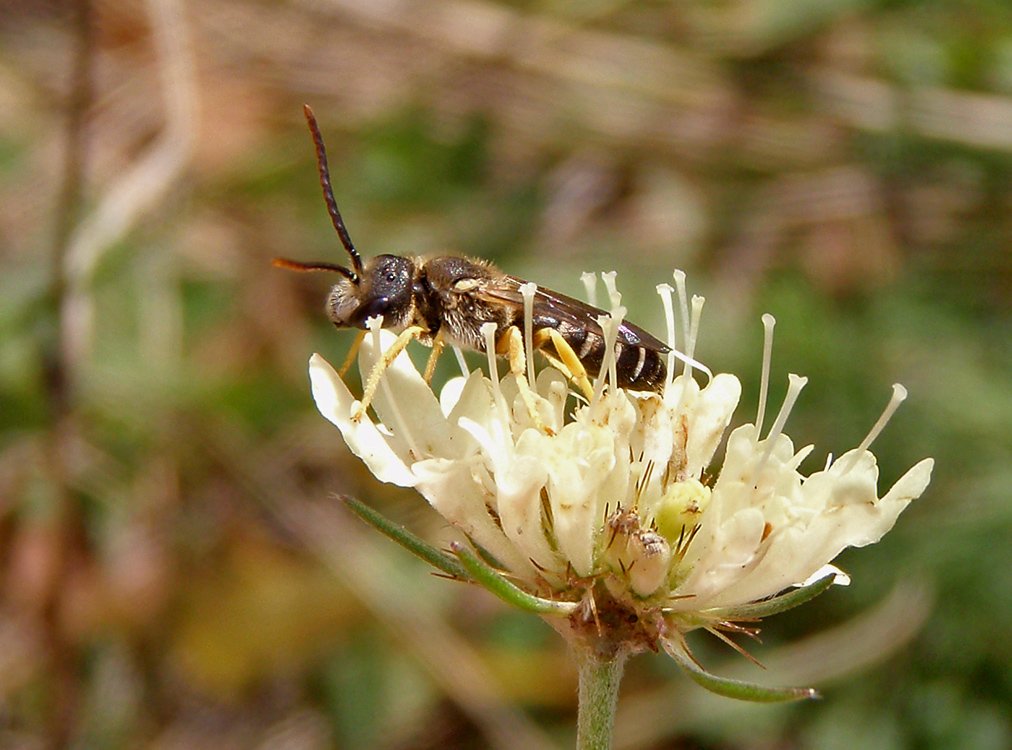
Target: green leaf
[507,591]
[406,539]
[743,691]
[775,605]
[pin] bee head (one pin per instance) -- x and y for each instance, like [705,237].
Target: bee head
[383,288]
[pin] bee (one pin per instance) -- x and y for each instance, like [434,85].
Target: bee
[445,300]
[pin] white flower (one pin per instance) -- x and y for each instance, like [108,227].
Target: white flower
[615,504]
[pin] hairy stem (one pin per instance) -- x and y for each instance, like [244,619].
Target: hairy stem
[599,680]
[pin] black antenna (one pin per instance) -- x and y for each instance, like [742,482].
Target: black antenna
[328,196]
[296,265]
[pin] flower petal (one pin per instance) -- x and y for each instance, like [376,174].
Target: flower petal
[578,461]
[907,488]
[406,404]
[452,490]
[517,481]
[335,402]
[709,418]
[847,513]
[727,556]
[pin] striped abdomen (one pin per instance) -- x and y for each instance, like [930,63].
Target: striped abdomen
[641,360]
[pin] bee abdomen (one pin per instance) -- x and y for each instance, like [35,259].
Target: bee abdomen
[639,368]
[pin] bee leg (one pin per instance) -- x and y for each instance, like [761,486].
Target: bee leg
[438,344]
[572,367]
[372,383]
[518,366]
[352,353]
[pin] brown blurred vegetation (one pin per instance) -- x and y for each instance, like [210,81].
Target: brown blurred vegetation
[174,569]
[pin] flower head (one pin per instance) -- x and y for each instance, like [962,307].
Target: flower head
[611,505]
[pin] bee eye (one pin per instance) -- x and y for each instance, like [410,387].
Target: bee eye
[391,277]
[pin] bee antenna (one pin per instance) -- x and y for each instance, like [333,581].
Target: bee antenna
[295,265]
[328,197]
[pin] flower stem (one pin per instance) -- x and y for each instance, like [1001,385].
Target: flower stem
[599,680]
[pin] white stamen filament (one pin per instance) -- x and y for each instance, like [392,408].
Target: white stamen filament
[795,383]
[616,318]
[683,303]
[764,383]
[800,456]
[690,341]
[461,362]
[528,291]
[488,331]
[898,397]
[375,324]
[692,362]
[665,291]
[609,327]
[608,277]
[590,284]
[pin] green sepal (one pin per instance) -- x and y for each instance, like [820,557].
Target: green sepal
[446,563]
[508,591]
[773,606]
[738,689]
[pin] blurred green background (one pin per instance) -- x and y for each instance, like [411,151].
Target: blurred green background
[175,570]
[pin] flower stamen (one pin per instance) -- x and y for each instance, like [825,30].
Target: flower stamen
[690,343]
[590,284]
[528,291]
[488,331]
[769,322]
[461,362]
[690,328]
[665,290]
[898,397]
[795,385]
[616,320]
[609,326]
[614,296]
[683,306]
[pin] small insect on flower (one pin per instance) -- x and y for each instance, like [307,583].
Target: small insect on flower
[445,301]
[615,520]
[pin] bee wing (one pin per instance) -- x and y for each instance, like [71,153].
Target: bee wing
[553,309]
